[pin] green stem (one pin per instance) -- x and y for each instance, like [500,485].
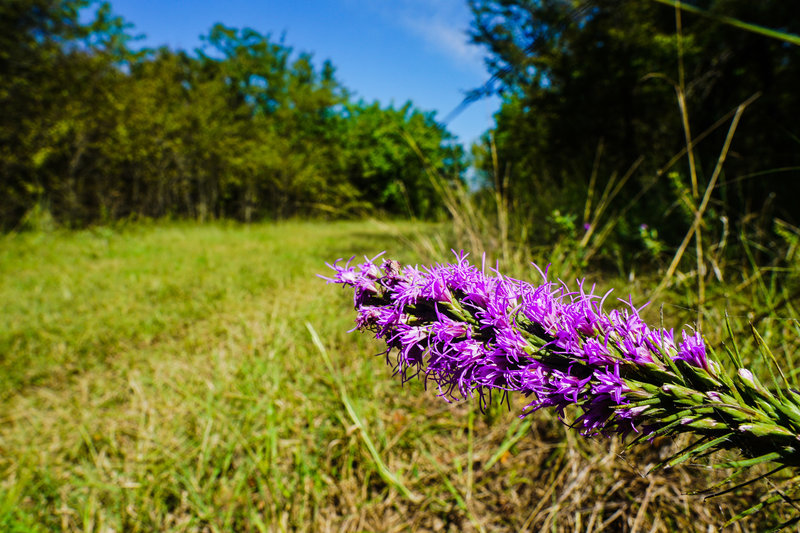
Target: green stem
[736,23]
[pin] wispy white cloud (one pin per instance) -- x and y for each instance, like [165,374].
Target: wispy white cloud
[441,24]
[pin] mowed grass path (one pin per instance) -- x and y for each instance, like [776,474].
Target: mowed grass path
[162,378]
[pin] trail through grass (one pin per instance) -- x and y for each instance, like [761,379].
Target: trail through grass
[163,378]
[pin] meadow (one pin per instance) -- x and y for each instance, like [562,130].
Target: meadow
[188,377]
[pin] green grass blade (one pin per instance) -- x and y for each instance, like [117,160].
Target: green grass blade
[764,349]
[386,474]
[509,441]
[695,450]
[744,483]
[772,456]
[754,509]
[736,23]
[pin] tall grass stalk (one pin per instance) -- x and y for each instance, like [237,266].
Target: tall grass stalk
[734,22]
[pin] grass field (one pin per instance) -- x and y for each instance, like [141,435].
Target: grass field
[163,378]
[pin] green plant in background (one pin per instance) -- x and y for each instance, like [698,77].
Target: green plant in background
[650,241]
[590,90]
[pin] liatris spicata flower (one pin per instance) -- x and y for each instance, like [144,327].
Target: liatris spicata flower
[472,333]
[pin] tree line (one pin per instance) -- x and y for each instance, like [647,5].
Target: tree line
[600,99]
[243,128]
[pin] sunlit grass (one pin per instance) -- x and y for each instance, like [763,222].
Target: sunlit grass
[162,378]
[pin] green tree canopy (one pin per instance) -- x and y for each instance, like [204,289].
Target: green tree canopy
[245,127]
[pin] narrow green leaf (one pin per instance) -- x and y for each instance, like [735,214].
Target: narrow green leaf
[754,509]
[731,388]
[791,411]
[386,474]
[741,485]
[508,442]
[683,394]
[792,521]
[639,403]
[462,504]
[674,368]
[664,430]
[767,430]
[736,23]
[764,349]
[772,456]
[688,449]
[686,454]
[671,364]
[735,355]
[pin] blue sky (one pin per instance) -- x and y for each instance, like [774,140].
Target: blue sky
[385,50]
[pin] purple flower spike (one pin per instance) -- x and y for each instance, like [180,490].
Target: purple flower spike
[470,333]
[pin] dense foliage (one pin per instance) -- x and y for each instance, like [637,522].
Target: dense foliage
[244,128]
[592,91]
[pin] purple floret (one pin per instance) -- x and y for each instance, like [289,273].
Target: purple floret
[693,350]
